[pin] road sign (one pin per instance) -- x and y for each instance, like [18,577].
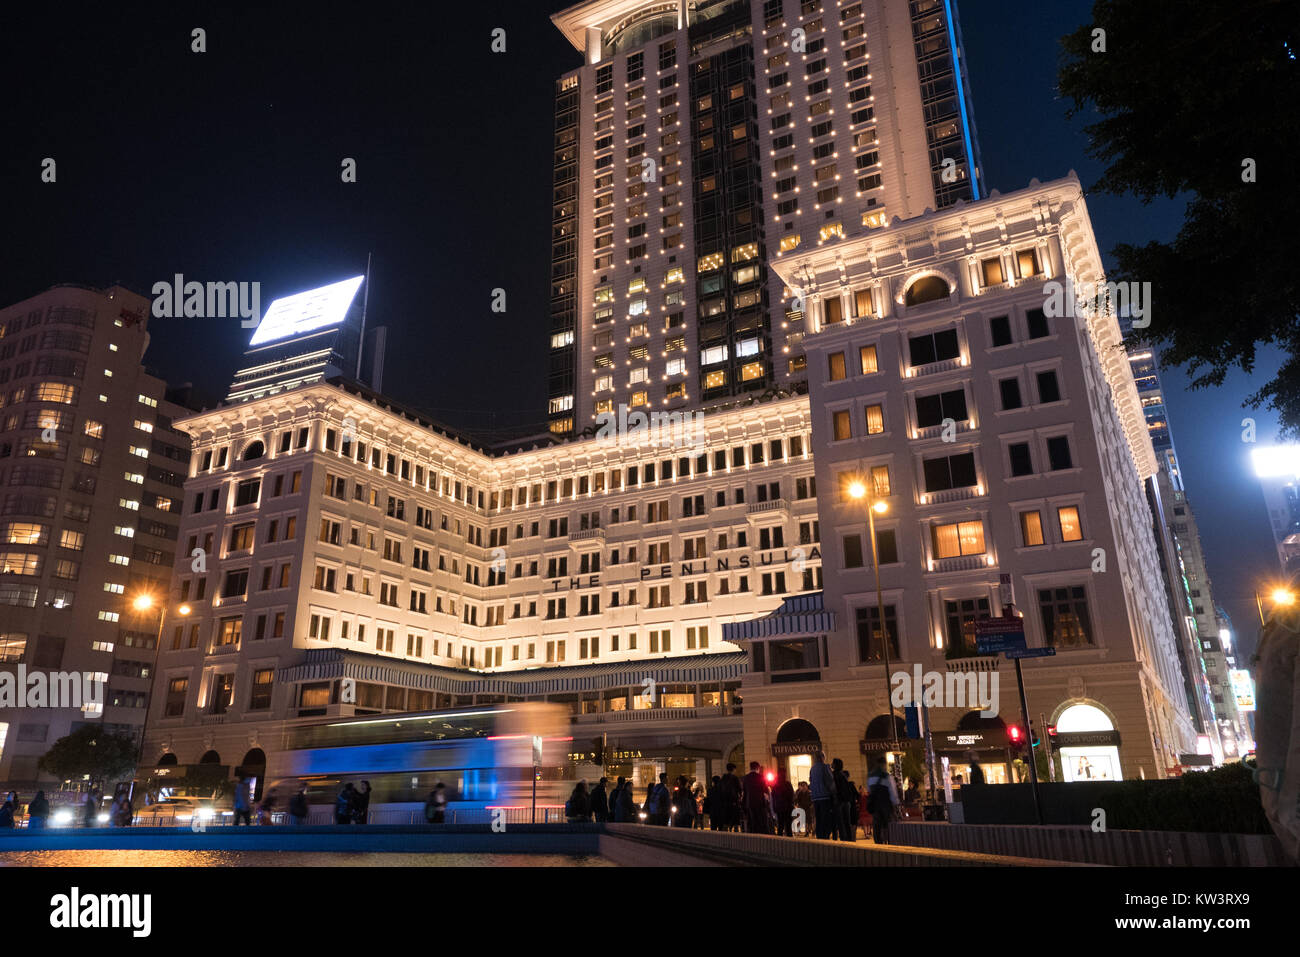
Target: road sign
[993,635]
[1031,653]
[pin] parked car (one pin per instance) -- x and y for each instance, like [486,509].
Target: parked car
[176,811]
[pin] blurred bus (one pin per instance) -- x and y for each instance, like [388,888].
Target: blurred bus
[485,756]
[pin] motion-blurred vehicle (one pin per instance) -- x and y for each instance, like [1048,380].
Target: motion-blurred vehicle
[177,811]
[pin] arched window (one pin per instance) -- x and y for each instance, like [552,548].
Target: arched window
[210,757]
[254,757]
[797,730]
[255,450]
[971,721]
[926,289]
[167,760]
[878,729]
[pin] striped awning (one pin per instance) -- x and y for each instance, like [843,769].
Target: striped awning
[324,664]
[797,617]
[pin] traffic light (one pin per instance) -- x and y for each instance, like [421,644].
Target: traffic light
[1051,737]
[1016,741]
[1033,734]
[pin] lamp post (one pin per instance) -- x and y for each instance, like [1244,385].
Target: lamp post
[1278,596]
[858,492]
[143,602]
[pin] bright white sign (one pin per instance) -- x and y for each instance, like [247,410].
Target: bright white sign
[1243,687]
[1276,461]
[307,311]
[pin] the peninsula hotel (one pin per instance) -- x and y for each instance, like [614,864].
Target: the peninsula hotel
[330,534]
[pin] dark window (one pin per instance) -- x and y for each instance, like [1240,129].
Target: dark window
[887,546]
[952,471]
[1058,453]
[1048,389]
[933,409]
[1010,389]
[935,347]
[869,645]
[1000,330]
[246,492]
[1037,324]
[1066,622]
[1021,463]
[852,551]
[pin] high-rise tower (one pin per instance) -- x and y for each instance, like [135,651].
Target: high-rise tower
[700,141]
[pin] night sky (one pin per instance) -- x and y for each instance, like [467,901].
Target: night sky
[225,166]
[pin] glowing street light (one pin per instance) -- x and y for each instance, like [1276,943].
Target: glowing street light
[1279,596]
[878,506]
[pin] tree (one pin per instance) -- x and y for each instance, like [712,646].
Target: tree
[1197,99]
[90,751]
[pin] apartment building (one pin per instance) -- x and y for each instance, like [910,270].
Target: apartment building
[696,145]
[1004,440]
[92,469]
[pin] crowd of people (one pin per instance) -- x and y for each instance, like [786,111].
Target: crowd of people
[830,804]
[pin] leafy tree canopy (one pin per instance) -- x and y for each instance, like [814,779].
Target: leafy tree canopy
[91,750]
[1198,98]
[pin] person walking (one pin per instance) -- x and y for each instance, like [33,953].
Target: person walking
[730,800]
[343,804]
[90,809]
[783,803]
[683,802]
[697,795]
[882,797]
[125,810]
[846,809]
[754,790]
[38,812]
[243,802]
[600,802]
[711,799]
[7,811]
[435,808]
[803,800]
[298,806]
[578,808]
[266,809]
[659,798]
[361,804]
[625,807]
[976,772]
[822,784]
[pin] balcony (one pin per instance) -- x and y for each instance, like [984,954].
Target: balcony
[952,495]
[230,648]
[934,368]
[587,535]
[963,563]
[967,661]
[657,714]
[936,431]
[775,508]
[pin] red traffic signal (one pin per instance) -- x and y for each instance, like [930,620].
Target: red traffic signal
[1015,735]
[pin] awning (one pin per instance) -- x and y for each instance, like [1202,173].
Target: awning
[799,617]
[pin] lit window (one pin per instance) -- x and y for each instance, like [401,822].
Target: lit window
[562,339]
[94,429]
[789,242]
[108,616]
[867,355]
[709,263]
[1031,528]
[674,275]
[713,354]
[716,379]
[875,420]
[639,399]
[1069,519]
[137,450]
[114,588]
[958,538]
[135,477]
[636,285]
[832,231]
[119,560]
[124,531]
[676,367]
[744,253]
[751,371]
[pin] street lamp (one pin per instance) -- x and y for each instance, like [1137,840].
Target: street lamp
[858,492]
[143,602]
[1280,597]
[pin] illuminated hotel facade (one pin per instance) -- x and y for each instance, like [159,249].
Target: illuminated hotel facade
[347,538]
[697,144]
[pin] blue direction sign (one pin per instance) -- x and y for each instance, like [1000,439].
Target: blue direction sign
[1032,653]
[993,635]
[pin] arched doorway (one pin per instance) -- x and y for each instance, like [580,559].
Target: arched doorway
[986,738]
[253,767]
[1088,744]
[210,757]
[167,760]
[796,742]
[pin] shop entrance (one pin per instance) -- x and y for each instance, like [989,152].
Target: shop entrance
[796,742]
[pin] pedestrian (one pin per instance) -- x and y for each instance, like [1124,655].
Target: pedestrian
[266,810]
[846,811]
[627,805]
[712,800]
[822,784]
[647,807]
[435,809]
[298,806]
[754,790]
[697,795]
[90,809]
[578,808]
[882,797]
[803,800]
[361,804]
[783,803]
[7,811]
[730,800]
[615,796]
[683,803]
[38,812]
[343,804]
[659,798]
[864,816]
[600,802]
[243,801]
[125,809]
[976,772]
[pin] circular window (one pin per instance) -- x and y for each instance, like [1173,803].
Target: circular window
[255,450]
[926,289]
